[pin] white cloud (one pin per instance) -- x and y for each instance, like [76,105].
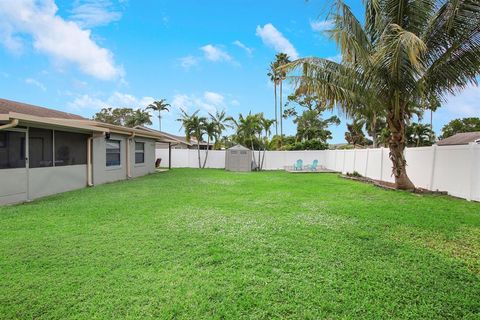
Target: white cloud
[235,103]
[275,39]
[93,13]
[464,104]
[188,62]
[215,53]
[248,50]
[209,101]
[62,40]
[36,83]
[86,103]
[319,26]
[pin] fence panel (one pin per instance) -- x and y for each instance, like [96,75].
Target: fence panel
[455,169]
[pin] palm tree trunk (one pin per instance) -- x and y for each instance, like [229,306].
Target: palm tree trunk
[206,154]
[198,150]
[397,146]
[281,114]
[276,116]
[253,154]
[159,120]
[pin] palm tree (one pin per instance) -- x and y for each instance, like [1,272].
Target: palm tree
[194,126]
[246,130]
[220,119]
[159,106]
[273,74]
[266,124]
[407,53]
[282,59]
[211,131]
[419,135]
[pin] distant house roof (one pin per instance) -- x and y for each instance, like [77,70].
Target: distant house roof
[7,106]
[179,139]
[461,138]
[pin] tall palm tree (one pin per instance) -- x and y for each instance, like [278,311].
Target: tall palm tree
[273,74]
[282,59]
[159,106]
[406,54]
[194,126]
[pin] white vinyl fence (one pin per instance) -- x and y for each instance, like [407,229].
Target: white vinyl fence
[455,169]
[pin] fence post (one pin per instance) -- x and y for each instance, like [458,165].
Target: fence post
[344,157]
[434,160]
[381,164]
[472,171]
[366,163]
[354,157]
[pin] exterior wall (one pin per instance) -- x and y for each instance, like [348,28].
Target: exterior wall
[148,167]
[13,185]
[454,169]
[51,180]
[102,173]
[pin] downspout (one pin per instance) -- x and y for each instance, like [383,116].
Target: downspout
[129,173]
[89,162]
[12,124]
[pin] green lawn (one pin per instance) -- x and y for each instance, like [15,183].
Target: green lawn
[203,244]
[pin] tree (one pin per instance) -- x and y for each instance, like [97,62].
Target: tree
[273,74]
[355,135]
[281,59]
[459,126]
[212,133]
[247,129]
[265,125]
[159,106]
[221,123]
[406,54]
[310,126]
[123,117]
[194,126]
[419,135]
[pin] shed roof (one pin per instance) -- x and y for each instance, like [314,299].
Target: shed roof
[460,138]
[238,147]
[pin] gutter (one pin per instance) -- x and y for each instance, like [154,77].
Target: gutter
[12,124]
[129,171]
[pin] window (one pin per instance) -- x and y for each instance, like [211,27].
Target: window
[70,148]
[139,152]
[40,148]
[12,150]
[113,153]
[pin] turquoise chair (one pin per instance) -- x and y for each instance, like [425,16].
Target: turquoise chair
[298,166]
[313,166]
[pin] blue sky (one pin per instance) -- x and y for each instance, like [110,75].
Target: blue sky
[79,56]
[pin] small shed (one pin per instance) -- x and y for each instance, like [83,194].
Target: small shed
[238,158]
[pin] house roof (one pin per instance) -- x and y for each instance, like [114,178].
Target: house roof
[7,106]
[57,119]
[461,138]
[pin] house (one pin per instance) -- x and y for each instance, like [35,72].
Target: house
[45,151]
[180,141]
[461,139]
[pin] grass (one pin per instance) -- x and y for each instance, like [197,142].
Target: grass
[209,244]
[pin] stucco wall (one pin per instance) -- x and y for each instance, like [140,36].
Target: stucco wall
[148,167]
[51,180]
[13,185]
[102,173]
